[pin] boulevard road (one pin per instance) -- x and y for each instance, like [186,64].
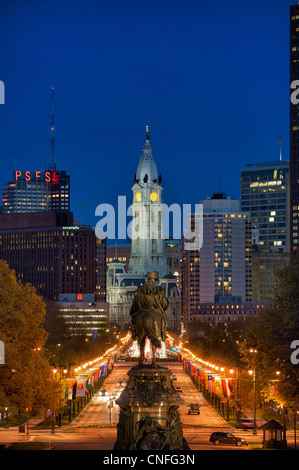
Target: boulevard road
[95,427]
[97,412]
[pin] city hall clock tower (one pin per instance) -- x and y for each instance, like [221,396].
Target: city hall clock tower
[147,217]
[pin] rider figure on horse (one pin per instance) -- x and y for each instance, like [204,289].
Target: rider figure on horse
[150,296]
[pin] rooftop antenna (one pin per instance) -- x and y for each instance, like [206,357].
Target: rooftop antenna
[53,163]
[280,145]
[83,207]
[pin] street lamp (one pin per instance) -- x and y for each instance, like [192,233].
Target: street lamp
[231,371]
[252,372]
[61,372]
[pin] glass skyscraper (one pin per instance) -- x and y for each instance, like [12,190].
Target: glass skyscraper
[294,130]
[265,195]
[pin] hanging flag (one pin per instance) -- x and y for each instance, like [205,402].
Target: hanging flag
[96,374]
[193,370]
[90,378]
[70,383]
[227,388]
[206,380]
[211,383]
[202,378]
[81,386]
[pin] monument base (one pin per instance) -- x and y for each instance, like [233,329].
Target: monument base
[149,417]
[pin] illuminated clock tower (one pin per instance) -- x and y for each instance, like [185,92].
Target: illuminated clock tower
[147,210]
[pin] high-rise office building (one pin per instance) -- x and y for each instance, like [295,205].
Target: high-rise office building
[221,270]
[294,131]
[48,251]
[264,264]
[83,314]
[224,312]
[100,270]
[36,191]
[265,195]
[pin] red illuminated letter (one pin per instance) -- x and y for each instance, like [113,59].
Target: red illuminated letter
[37,174]
[18,174]
[48,176]
[27,175]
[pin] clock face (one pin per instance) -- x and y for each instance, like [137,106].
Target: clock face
[138,197]
[153,196]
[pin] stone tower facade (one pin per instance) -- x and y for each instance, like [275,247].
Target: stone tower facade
[147,210]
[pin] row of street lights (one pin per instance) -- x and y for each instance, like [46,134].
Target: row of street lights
[63,370]
[251,372]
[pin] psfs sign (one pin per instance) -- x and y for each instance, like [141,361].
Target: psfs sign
[47,176]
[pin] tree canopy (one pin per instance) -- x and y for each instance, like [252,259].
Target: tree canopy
[272,332]
[26,376]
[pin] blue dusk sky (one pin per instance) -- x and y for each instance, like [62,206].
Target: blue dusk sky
[210,78]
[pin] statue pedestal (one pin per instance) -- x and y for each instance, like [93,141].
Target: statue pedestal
[149,417]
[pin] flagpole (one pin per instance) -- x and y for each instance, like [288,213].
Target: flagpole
[227,416]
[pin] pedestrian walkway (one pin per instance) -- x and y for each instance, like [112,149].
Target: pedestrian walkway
[31,423]
[34,421]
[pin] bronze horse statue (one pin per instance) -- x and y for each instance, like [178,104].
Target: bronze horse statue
[148,314]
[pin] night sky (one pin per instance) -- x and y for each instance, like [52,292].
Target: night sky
[210,78]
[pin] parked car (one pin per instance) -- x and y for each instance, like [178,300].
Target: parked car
[193,408]
[104,392]
[227,438]
[245,423]
[179,389]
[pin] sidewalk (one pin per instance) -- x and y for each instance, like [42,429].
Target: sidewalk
[34,421]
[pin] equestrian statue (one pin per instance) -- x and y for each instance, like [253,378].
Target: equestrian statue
[148,315]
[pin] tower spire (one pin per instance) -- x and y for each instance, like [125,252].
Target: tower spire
[53,163]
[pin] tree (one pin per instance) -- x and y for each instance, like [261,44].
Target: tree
[76,350]
[219,343]
[54,324]
[272,332]
[22,313]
